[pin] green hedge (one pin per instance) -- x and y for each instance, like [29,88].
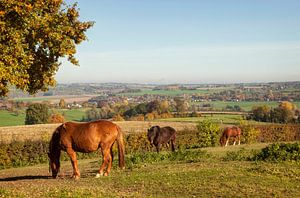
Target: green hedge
[279,152]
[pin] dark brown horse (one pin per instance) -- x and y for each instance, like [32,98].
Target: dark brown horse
[162,135]
[86,137]
[228,132]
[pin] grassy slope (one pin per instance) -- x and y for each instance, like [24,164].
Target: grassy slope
[10,119]
[211,177]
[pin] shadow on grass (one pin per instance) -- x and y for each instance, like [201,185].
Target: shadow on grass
[27,177]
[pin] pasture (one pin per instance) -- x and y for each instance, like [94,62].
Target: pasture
[206,173]
[245,105]
[8,118]
[217,118]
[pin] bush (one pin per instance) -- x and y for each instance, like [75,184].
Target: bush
[278,132]
[37,114]
[56,118]
[249,133]
[208,133]
[279,152]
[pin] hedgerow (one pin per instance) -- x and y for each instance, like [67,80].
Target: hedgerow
[279,152]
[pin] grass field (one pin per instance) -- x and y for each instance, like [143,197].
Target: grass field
[210,176]
[245,105]
[11,119]
[217,118]
[44,131]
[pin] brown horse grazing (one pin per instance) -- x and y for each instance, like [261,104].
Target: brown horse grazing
[86,137]
[161,135]
[230,132]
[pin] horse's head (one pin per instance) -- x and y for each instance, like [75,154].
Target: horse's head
[54,152]
[222,141]
[152,133]
[54,164]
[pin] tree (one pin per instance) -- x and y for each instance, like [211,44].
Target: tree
[180,105]
[92,114]
[33,36]
[261,113]
[281,115]
[37,114]
[62,103]
[288,105]
[164,106]
[153,106]
[57,118]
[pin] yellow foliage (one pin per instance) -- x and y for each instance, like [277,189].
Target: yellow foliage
[287,105]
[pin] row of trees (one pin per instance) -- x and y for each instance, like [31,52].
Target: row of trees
[286,112]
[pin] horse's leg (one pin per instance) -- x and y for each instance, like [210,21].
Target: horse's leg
[72,154]
[234,141]
[239,139]
[112,153]
[158,146]
[173,145]
[107,162]
[167,144]
[227,140]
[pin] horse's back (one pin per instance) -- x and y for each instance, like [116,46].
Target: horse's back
[232,131]
[167,133]
[88,136]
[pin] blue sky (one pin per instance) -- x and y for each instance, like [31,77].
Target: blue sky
[187,41]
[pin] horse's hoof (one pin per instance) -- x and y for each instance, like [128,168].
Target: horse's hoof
[76,177]
[105,174]
[98,175]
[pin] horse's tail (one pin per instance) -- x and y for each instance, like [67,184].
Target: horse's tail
[121,148]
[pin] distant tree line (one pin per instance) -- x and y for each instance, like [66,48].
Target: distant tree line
[286,112]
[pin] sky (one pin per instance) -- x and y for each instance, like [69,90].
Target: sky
[187,41]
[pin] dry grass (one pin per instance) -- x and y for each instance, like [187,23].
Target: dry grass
[44,131]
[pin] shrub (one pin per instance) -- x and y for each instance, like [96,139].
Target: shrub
[37,114]
[278,132]
[279,152]
[208,133]
[56,118]
[249,133]
[118,117]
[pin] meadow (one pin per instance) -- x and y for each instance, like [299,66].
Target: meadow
[8,118]
[216,118]
[245,105]
[196,173]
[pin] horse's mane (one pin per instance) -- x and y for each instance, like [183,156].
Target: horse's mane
[53,146]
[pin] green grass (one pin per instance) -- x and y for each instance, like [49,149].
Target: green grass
[245,105]
[8,118]
[209,176]
[73,114]
[217,118]
[11,119]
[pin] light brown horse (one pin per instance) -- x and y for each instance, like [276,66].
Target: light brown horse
[228,132]
[86,137]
